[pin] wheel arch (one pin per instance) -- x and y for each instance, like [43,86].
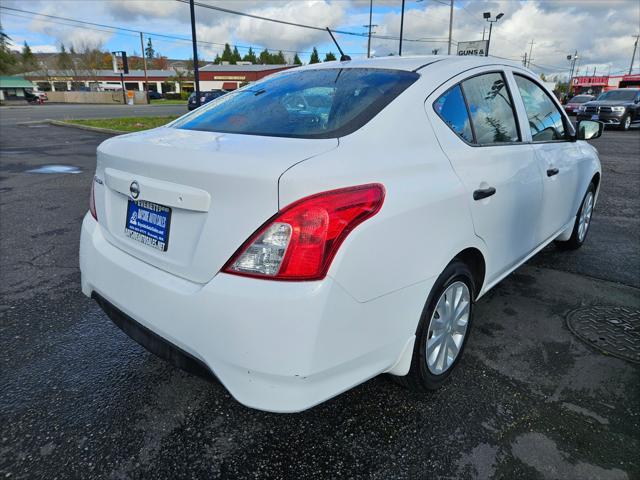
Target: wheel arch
[474,259]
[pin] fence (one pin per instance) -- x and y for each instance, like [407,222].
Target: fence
[113,98]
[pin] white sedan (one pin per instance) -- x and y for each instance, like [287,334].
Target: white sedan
[332,222]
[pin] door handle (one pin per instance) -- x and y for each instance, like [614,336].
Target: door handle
[483,193]
[552,171]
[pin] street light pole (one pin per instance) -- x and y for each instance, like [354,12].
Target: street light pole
[144,63]
[401,28]
[487,17]
[450,27]
[196,73]
[370,27]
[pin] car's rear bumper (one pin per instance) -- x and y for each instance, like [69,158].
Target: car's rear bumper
[276,346]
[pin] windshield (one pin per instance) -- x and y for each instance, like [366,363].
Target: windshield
[322,103]
[622,94]
[581,99]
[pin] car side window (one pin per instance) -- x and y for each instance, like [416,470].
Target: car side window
[491,109]
[545,119]
[450,106]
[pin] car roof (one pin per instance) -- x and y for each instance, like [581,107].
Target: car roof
[415,63]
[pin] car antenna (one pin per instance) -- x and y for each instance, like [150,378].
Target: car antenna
[343,57]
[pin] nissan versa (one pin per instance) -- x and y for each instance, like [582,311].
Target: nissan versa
[329,223]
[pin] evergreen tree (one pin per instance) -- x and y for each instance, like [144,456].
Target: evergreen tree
[28,58]
[329,57]
[314,56]
[64,60]
[227,54]
[250,56]
[278,58]
[217,60]
[296,60]
[7,59]
[236,56]
[265,57]
[149,52]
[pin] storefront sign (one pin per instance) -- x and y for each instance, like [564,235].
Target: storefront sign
[478,47]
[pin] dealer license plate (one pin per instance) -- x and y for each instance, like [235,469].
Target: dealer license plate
[148,223]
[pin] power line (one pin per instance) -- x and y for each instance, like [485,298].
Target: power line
[295,24]
[132,32]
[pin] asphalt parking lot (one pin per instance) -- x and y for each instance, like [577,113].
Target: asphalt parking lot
[82,400]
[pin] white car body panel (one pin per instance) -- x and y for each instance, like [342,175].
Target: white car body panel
[286,346]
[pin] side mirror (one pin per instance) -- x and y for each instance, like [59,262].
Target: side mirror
[588,130]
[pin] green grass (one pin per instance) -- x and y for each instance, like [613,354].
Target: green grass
[127,124]
[164,101]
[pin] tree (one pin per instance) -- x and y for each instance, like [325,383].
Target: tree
[27,58]
[542,77]
[330,57]
[227,54]
[64,60]
[161,62]
[236,56]
[180,77]
[278,58]
[314,58]
[265,57]
[149,51]
[296,60]
[7,59]
[250,56]
[217,60]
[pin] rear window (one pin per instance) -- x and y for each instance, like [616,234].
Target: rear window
[323,103]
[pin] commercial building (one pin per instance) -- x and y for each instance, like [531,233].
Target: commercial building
[13,88]
[598,84]
[212,77]
[230,77]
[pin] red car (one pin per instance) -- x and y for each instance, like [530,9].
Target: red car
[572,105]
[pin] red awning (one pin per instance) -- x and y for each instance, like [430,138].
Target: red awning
[229,85]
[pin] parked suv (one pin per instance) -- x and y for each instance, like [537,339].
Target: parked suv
[205,97]
[619,108]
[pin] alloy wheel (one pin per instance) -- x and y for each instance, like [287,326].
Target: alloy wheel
[448,327]
[585,216]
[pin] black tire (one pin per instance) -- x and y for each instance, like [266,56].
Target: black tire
[420,378]
[575,241]
[625,123]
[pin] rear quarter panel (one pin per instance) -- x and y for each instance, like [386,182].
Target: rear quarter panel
[424,220]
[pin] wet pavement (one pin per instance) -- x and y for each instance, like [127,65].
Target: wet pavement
[529,399]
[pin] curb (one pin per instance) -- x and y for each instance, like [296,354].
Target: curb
[60,123]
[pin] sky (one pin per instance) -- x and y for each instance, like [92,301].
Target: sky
[601,31]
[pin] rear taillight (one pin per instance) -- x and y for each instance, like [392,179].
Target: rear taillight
[300,241]
[92,200]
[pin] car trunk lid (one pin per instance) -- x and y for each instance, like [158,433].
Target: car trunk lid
[219,188]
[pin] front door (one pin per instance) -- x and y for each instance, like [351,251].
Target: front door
[557,156]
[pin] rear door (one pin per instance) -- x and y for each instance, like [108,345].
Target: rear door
[558,157]
[474,119]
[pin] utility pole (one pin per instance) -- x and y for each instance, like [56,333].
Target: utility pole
[573,59]
[401,28]
[370,26]
[450,27]
[484,29]
[144,62]
[530,51]
[633,57]
[524,59]
[196,72]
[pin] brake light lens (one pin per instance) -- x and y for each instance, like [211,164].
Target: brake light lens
[92,200]
[300,241]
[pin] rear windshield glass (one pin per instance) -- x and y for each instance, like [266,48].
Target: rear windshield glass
[323,103]
[618,95]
